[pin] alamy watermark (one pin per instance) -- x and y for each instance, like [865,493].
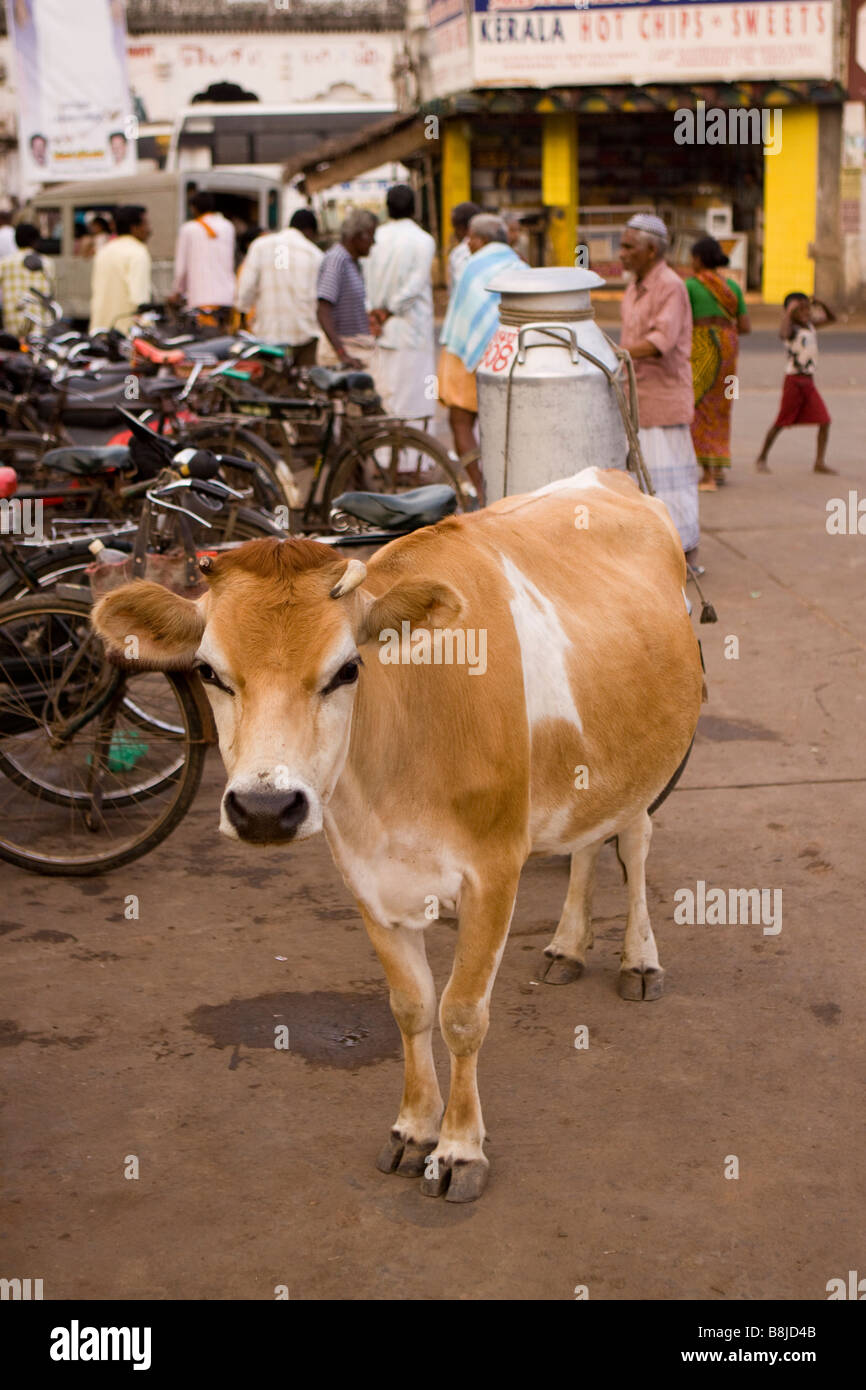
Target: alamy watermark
[735,125]
[444,646]
[718,907]
[77,1343]
[21,517]
[846,516]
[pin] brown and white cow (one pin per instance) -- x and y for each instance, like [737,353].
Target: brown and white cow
[434,782]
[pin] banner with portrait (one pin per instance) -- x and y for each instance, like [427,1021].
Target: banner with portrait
[75,112]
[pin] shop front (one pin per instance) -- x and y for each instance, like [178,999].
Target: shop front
[722,118]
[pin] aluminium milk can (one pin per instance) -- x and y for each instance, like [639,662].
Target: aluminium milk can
[554,410]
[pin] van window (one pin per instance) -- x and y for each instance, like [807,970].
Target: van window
[87,236]
[50,224]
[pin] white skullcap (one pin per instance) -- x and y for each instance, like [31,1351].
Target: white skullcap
[648,222]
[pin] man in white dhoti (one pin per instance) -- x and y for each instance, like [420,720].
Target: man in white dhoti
[400,300]
[657,331]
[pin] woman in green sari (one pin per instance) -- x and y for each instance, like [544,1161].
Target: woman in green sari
[719,316]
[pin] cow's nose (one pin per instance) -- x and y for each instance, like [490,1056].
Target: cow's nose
[266,817]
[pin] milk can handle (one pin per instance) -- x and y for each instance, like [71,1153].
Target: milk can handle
[571,344]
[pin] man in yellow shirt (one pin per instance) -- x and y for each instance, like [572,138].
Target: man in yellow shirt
[121,272]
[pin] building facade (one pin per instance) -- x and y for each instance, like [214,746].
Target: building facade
[326,54]
[744,120]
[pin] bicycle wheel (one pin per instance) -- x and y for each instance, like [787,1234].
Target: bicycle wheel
[50,565]
[85,784]
[272,476]
[240,524]
[394,458]
[23,452]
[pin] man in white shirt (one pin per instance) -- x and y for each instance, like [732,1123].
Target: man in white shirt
[278,284]
[7,235]
[121,272]
[204,260]
[461,216]
[400,297]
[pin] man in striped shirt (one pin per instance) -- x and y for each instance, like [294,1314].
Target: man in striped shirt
[342,310]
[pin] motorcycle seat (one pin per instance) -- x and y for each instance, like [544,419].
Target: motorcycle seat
[327,380]
[402,511]
[87,460]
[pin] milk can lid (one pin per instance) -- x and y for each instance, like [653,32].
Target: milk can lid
[547,279]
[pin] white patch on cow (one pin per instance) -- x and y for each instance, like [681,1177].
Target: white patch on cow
[394,870]
[587,477]
[687,602]
[544,645]
[551,834]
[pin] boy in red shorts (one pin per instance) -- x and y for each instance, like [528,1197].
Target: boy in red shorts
[801,401]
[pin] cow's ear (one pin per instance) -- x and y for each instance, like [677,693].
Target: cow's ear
[416,601]
[149,626]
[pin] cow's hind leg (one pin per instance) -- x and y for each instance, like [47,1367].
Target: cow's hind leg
[565,957]
[640,976]
[458,1166]
[413,1004]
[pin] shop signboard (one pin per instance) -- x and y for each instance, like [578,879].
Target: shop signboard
[449,51]
[857,51]
[516,43]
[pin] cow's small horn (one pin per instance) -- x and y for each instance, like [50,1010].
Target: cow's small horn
[353,575]
[205,564]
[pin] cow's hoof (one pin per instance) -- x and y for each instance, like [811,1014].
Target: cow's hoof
[468,1180]
[560,970]
[403,1156]
[391,1154]
[462,1180]
[642,984]
[411,1165]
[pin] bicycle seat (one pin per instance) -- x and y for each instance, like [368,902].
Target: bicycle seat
[221,347]
[153,387]
[402,511]
[86,461]
[330,381]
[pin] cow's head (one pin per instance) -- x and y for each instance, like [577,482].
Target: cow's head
[276,641]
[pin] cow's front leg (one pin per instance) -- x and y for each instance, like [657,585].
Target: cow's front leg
[457,1166]
[565,957]
[640,976]
[413,1004]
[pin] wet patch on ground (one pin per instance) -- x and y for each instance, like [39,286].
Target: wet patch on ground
[7,927]
[827,1014]
[47,934]
[325,1028]
[719,730]
[11,1035]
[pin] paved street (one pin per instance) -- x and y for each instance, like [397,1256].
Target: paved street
[154,1038]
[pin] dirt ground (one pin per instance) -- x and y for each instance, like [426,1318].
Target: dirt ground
[154,1038]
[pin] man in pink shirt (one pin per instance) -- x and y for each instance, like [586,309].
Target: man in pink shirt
[657,331]
[204,261]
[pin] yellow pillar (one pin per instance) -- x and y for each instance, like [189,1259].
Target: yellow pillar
[456,174]
[559,183]
[790,206]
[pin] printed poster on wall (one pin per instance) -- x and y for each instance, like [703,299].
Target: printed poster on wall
[75,112]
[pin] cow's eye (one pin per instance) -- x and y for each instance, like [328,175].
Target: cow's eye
[210,677]
[347,675]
